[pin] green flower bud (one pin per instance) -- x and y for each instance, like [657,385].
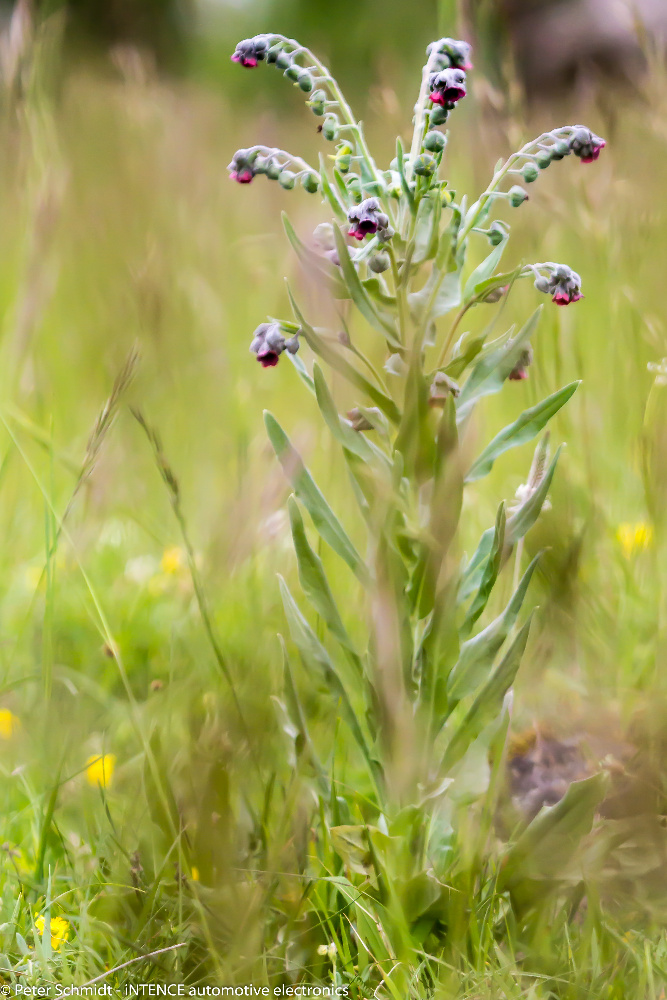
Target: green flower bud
[435,141]
[274,51]
[353,185]
[543,159]
[530,173]
[305,81]
[497,232]
[310,183]
[293,72]
[330,128]
[379,262]
[317,102]
[286,179]
[425,165]
[560,149]
[343,158]
[517,196]
[438,116]
[273,170]
[283,60]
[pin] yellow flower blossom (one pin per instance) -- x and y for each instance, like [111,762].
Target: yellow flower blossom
[173,560]
[59,930]
[634,538]
[8,724]
[194,874]
[100,768]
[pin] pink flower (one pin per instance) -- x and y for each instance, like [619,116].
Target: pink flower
[586,144]
[447,87]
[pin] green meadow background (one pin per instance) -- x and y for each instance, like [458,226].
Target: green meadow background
[119,230]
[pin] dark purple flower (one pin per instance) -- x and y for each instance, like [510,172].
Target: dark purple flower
[268,343]
[447,87]
[241,168]
[586,144]
[368,219]
[564,285]
[250,51]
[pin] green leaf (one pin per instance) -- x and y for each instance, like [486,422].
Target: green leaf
[472,574]
[440,294]
[298,719]
[547,845]
[330,194]
[522,430]
[348,371]
[460,362]
[326,270]
[489,374]
[415,437]
[427,228]
[489,574]
[484,271]
[377,289]
[522,520]
[477,654]
[314,653]
[302,370]
[489,700]
[312,498]
[359,295]
[314,581]
[351,440]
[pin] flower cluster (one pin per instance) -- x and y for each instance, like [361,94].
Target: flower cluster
[586,144]
[247,164]
[447,87]
[450,52]
[268,343]
[561,283]
[368,219]
[251,51]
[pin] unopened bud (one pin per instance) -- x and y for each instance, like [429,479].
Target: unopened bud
[330,128]
[530,173]
[517,196]
[305,81]
[560,150]
[442,387]
[435,141]
[310,183]
[283,60]
[272,54]
[379,262]
[273,170]
[542,284]
[438,116]
[497,232]
[543,159]
[286,179]
[425,165]
[293,72]
[317,102]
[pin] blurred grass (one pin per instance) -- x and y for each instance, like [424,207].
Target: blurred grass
[118,227]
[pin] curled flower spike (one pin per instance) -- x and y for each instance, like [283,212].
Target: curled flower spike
[368,220]
[241,168]
[455,52]
[447,87]
[564,286]
[268,344]
[250,51]
[586,144]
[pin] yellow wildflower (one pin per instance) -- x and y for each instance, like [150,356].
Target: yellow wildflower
[100,768]
[634,538]
[59,929]
[8,724]
[194,874]
[173,560]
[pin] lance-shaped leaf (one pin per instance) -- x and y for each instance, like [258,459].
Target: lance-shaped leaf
[460,362]
[524,428]
[427,230]
[488,702]
[525,516]
[314,654]
[472,574]
[353,441]
[440,294]
[477,654]
[325,269]
[489,575]
[548,844]
[298,719]
[302,370]
[324,519]
[315,584]
[333,358]
[415,437]
[489,374]
[359,295]
[484,270]
[330,193]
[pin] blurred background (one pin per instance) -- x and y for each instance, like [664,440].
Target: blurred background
[119,227]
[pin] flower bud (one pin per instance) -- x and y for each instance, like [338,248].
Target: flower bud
[286,179]
[353,185]
[438,115]
[343,158]
[530,173]
[310,182]
[435,141]
[517,196]
[283,60]
[455,52]
[379,262]
[441,388]
[497,232]
[543,159]
[251,51]
[242,167]
[273,170]
[317,102]
[425,165]
[542,284]
[520,370]
[560,149]
[305,81]
[272,54]
[330,127]
[293,72]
